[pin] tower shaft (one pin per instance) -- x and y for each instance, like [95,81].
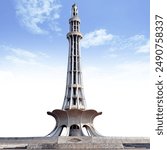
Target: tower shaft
[74,95]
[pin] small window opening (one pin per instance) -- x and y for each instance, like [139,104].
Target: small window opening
[74,101]
[74,76]
[74,90]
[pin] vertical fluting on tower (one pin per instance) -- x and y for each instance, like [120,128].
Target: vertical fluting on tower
[74,95]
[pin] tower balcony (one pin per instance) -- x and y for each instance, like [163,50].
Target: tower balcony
[74,33]
[75,18]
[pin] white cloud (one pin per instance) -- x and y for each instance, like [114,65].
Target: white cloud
[23,53]
[123,46]
[96,38]
[18,60]
[127,43]
[144,48]
[22,56]
[137,37]
[115,43]
[39,16]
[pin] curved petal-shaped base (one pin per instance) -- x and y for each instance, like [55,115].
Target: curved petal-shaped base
[74,120]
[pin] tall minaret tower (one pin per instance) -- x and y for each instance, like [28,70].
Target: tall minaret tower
[74,119]
[74,96]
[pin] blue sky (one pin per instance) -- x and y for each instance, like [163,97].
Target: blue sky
[115,61]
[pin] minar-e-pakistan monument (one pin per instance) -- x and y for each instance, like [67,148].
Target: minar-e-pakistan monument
[74,120]
[74,116]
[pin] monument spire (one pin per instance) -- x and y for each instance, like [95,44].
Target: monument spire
[74,11]
[74,117]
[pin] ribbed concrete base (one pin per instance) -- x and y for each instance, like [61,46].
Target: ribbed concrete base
[76,143]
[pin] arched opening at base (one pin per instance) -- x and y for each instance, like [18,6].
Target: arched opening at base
[75,130]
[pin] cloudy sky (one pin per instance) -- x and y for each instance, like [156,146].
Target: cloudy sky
[115,63]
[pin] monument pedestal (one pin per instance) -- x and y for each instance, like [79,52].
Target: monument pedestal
[76,143]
